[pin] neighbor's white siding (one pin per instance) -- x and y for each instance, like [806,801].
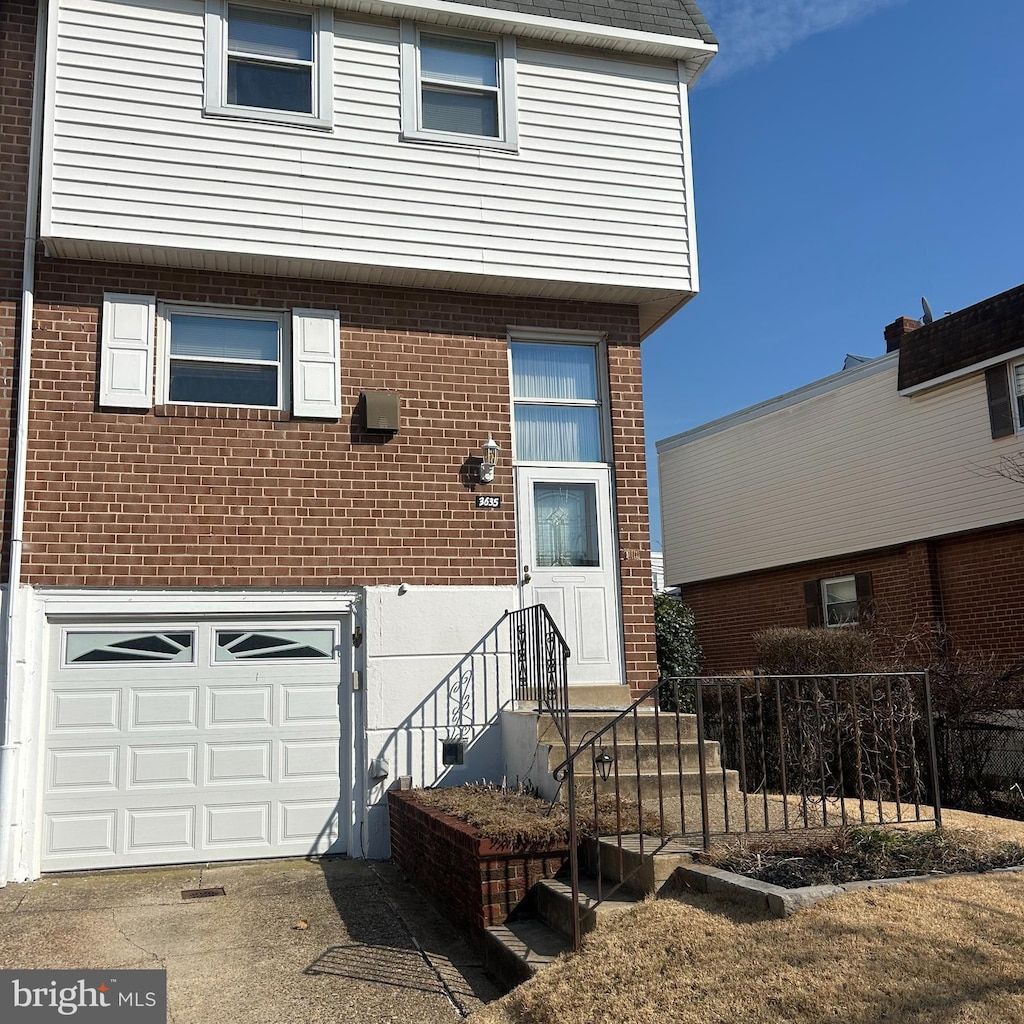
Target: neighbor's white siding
[856,468]
[595,195]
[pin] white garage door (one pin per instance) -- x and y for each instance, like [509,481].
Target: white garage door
[192,742]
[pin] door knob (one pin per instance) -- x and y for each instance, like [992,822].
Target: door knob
[526,574]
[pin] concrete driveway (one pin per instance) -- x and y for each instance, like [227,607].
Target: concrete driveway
[334,940]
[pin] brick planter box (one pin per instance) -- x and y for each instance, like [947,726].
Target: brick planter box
[477,882]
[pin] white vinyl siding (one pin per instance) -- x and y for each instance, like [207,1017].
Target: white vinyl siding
[856,468]
[592,206]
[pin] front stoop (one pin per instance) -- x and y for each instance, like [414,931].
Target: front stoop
[542,928]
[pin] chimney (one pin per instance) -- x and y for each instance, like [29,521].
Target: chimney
[897,329]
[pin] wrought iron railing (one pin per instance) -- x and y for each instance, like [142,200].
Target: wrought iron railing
[704,757]
[540,669]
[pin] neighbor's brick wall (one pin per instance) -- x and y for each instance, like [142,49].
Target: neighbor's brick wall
[729,611]
[972,582]
[476,882]
[982,577]
[17,45]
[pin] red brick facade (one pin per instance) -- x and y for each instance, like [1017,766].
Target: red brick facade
[971,582]
[239,498]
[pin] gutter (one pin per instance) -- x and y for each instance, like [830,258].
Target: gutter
[10,745]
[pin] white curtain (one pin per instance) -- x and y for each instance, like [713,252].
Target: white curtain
[558,433]
[554,371]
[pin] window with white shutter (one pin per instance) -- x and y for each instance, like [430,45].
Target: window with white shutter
[126,357]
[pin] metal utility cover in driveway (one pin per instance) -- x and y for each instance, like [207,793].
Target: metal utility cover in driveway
[180,742]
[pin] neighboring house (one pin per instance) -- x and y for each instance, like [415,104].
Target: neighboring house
[658,571]
[870,496]
[296,264]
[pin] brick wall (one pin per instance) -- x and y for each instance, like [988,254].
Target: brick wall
[17,45]
[971,581]
[982,578]
[476,882]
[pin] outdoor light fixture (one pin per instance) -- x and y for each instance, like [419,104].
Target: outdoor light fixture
[490,459]
[604,762]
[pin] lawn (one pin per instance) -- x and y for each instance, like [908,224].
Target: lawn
[951,951]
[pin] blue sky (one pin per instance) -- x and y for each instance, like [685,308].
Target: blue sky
[849,156]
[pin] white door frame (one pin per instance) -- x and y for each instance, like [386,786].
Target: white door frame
[588,664]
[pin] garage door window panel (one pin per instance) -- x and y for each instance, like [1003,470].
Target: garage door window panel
[291,645]
[94,648]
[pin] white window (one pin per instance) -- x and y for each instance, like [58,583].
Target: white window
[839,601]
[213,356]
[555,402]
[458,88]
[1017,372]
[269,63]
[224,357]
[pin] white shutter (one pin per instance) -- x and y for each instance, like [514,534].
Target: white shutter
[316,363]
[126,357]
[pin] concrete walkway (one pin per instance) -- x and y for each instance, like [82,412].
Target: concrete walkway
[290,941]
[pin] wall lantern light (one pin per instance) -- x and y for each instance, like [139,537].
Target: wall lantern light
[604,762]
[489,460]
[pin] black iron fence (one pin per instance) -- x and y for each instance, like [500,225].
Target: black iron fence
[704,757]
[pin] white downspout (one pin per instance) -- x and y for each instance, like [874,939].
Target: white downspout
[9,743]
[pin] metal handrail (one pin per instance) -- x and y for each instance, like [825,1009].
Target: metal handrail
[540,672]
[823,738]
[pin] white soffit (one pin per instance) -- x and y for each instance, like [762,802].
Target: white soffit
[533,26]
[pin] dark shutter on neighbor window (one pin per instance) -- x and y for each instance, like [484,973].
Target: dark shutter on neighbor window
[865,598]
[812,599]
[1000,409]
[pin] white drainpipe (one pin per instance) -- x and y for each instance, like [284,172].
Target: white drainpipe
[10,744]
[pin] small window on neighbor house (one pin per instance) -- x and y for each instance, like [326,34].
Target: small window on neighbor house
[1018,393]
[839,600]
[458,88]
[269,62]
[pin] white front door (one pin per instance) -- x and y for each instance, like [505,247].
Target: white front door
[567,562]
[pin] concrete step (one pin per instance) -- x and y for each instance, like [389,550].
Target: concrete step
[514,951]
[642,873]
[648,726]
[669,784]
[599,695]
[553,902]
[674,756]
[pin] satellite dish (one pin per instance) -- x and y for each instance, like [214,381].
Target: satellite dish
[927,317]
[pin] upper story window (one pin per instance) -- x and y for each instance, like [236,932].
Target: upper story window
[269,63]
[458,88]
[225,358]
[1017,371]
[556,404]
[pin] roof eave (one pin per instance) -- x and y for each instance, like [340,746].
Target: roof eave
[533,26]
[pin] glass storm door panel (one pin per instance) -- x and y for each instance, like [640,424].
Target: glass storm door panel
[566,554]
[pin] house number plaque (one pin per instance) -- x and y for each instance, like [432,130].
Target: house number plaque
[488,501]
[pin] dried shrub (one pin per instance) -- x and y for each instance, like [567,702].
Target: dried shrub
[519,819]
[787,651]
[857,854]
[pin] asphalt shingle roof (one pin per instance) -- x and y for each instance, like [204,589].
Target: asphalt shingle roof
[665,17]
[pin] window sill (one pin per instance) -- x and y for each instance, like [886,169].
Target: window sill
[282,119]
[213,412]
[460,142]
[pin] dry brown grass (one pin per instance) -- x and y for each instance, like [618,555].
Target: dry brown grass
[948,952]
[519,820]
